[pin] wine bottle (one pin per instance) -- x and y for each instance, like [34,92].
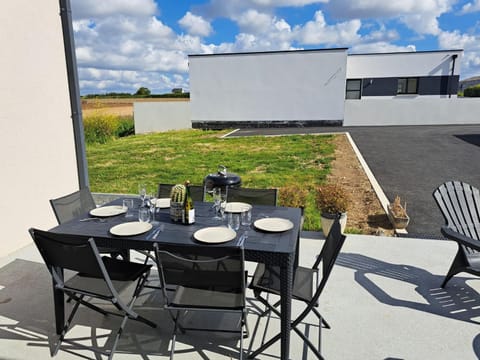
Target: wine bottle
[188,209]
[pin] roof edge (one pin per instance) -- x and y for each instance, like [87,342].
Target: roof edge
[407,52]
[269,52]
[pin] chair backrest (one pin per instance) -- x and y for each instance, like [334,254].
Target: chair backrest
[459,203]
[196,191]
[72,205]
[253,196]
[68,252]
[330,250]
[212,268]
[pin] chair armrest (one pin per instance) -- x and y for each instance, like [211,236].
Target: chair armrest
[460,238]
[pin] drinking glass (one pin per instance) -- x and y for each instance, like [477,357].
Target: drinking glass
[246,216]
[234,221]
[144,214]
[128,205]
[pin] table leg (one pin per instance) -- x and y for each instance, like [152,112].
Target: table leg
[59,305]
[286,282]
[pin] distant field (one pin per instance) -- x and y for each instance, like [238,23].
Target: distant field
[120,107]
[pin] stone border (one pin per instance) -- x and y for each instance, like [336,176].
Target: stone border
[373,181]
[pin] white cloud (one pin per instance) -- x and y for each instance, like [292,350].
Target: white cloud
[471,7]
[93,8]
[195,25]
[420,16]
[457,40]
[231,8]
[279,3]
[318,32]
[471,45]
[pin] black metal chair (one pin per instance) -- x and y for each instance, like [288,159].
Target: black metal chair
[207,279]
[76,204]
[253,196]
[196,191]
[459,203]
[100,278]
[307,286]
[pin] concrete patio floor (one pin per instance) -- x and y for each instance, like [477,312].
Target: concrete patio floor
[382,300]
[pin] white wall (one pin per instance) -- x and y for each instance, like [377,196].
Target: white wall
[292,86]
[36,145]
[161,116]
[435,63]
[420,111]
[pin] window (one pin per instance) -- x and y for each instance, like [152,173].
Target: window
[353,89]
[407,86]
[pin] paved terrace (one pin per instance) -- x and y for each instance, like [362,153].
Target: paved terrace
[383,301]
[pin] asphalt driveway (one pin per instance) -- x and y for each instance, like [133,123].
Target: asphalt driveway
[412,161]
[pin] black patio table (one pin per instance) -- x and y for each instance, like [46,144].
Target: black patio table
[279,249]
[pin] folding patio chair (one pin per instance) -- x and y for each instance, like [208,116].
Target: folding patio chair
[253,196]
[459,203]
[100,278]
[196,191]
[76,204]
[208,279]
[308,285]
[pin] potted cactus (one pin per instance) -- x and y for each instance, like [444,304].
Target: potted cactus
[177,200]
[331,199]
[398,213]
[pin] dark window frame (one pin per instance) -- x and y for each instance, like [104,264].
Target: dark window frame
[354,91]
[408,86]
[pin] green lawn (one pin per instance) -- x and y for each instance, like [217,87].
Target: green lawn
[175,156]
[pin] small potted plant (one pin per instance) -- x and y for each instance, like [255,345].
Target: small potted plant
[398,214]
[332,199]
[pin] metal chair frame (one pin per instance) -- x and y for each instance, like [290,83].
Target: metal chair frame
[76,254]
[327,257]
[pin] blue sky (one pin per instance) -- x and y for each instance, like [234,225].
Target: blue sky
[125,44]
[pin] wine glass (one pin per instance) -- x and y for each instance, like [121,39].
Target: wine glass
[142,190]
[217,200]
[152,203]
[223,204]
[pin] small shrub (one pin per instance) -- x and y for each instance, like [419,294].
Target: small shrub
[473,91]
[293,196]
[100,127]
[125,126]
[331,198]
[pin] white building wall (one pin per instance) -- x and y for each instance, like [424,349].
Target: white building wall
[161,116]
[420,111]
[435,63]
[290,86]
[37,152]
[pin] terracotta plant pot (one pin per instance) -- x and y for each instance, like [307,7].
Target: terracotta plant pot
[327,222]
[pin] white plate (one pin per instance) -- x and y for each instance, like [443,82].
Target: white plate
[163,203]
[273,224]
[215,234]
[236,207]
[130,228]
[106,211]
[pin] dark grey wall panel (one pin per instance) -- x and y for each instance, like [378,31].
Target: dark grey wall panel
[427,85]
